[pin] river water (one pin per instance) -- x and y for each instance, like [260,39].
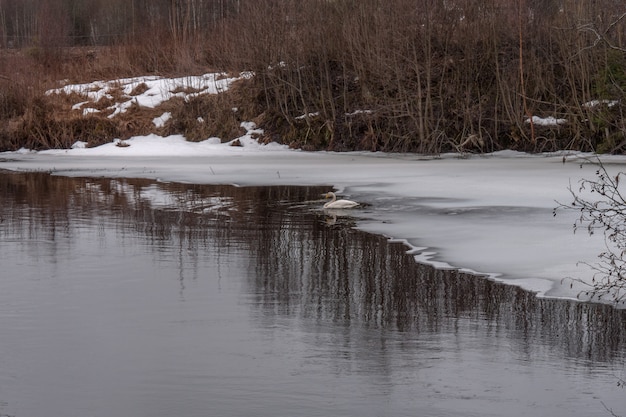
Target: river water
[136,298]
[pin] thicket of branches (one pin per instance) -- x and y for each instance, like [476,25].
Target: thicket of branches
[601,203]
[393,75]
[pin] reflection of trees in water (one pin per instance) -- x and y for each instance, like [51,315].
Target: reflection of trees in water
[345,276]
[170,217]
[300,266]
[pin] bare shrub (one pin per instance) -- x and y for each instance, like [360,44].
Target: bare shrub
[430,74]
[604,211]
[13,101]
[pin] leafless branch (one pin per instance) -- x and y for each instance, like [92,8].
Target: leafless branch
[601,37]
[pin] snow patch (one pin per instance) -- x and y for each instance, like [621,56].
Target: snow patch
[147,91]
[546,121]
[162,119]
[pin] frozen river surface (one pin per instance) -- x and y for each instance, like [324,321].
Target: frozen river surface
[126,297]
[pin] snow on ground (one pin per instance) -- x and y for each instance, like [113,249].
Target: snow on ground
[490,214]
[162,119]
[546,121]
[149,91]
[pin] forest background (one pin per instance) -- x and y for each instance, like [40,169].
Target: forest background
[424,76]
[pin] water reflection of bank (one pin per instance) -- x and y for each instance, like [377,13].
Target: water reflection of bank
[302,266]
[348,277]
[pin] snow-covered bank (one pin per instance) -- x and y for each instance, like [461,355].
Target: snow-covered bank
[490,214]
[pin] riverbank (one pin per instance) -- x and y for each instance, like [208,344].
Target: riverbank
[427,78]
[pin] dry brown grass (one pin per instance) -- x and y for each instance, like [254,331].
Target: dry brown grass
[206,116]
[35,120]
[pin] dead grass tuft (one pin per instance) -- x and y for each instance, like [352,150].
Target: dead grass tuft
[40,128]
[206,116]
[139,89]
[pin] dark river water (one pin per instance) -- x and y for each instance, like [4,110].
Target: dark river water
[130,298]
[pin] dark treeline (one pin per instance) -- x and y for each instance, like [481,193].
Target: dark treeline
[104,22]
[394,75]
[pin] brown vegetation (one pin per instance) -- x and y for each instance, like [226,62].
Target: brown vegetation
[396,75]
